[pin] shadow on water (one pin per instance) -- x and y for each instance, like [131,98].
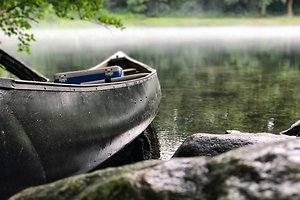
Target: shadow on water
[212,78]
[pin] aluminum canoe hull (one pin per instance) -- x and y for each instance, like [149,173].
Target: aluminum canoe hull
[50,131]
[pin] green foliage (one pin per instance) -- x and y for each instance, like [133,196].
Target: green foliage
[137,6]
[201,8]
[148,7]
[16,16]
[230,2]
[266,2]
[190,8]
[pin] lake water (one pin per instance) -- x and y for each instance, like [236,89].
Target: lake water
[213,79]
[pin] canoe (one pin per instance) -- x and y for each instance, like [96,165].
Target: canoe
[53,130]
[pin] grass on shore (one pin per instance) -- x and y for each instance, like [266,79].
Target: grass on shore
[167,21]
[135,20]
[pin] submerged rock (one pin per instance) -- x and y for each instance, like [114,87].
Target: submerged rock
[255,172]
[203,144]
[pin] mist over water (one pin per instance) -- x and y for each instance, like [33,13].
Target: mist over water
[213,78]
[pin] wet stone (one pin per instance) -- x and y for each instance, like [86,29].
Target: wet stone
[254,172]
[204,144]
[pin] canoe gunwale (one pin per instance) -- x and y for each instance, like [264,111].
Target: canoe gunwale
[6,83]
[9,84]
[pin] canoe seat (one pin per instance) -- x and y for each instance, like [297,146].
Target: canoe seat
[78,77]
[119,79]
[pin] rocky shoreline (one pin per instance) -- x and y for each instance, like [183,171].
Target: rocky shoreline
[231,166]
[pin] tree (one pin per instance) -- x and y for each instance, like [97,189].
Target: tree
[16,16]
[263,6]
[152,8]
[115,5]
[290,7]
[137,6]
[157,7]
[289,4]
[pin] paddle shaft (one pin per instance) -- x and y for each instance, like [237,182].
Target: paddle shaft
[19,69]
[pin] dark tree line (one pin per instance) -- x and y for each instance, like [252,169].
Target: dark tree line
[156,8]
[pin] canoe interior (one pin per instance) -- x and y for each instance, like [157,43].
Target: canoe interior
[131,67]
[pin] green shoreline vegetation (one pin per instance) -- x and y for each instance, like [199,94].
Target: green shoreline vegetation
[137,20]
[193,21]
[204,13]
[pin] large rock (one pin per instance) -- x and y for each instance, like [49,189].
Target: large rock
[255,172]
[203,144]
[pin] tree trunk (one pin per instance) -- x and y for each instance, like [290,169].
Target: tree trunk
[290,8]
[263,10]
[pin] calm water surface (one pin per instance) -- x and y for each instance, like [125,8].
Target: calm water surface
[213,78]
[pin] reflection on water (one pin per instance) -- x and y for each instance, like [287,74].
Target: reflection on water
[212,78]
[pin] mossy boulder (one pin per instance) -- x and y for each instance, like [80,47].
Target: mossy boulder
[255,172]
